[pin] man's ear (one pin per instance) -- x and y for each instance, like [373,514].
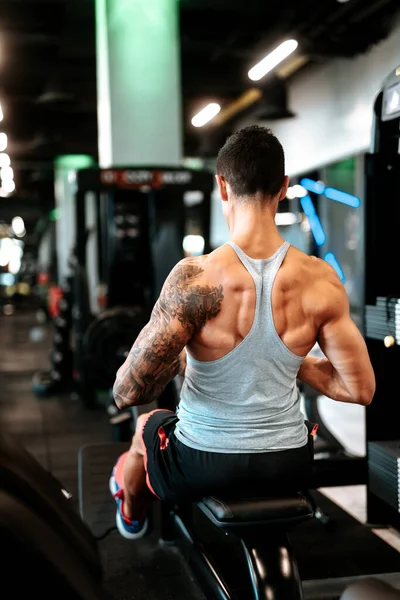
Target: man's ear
[221,182]
[284,188]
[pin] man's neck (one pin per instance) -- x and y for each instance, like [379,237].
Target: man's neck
[254,231]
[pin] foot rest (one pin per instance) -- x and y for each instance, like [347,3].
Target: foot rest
[283,511]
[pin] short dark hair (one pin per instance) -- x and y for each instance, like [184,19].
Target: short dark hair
[252,161]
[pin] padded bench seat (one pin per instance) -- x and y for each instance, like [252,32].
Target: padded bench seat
[285,511]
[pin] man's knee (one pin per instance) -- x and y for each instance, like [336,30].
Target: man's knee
[140,423]
[137,441]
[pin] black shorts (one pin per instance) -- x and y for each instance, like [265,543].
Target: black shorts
[177,473]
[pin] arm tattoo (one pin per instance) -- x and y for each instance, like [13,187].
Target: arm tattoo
[184,307]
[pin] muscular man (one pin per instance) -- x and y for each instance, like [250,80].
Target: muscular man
[245,316]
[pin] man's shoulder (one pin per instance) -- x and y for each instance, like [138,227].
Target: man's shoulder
[325,294]
[197,274]
[188,268]
[206,268]
[313,269]
[192,293]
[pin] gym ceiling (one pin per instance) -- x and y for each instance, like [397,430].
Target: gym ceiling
[48,74]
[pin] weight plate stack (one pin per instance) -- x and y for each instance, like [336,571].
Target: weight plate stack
[107,342]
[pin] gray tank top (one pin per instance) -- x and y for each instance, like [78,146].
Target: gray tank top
[248,400]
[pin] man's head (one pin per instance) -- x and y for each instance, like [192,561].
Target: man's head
[251,167]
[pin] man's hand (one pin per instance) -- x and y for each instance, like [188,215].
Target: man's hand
[158,355]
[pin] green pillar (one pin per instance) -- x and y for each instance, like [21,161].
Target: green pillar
[138,82]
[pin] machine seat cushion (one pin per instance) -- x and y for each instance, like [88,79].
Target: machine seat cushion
[272,511]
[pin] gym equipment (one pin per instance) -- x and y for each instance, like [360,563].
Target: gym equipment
[107,341]
[59,378]
[384,472]
[382,321]
[50,567]
[264,560]
[139,218]
[370,589]
[43,533]
[382,293]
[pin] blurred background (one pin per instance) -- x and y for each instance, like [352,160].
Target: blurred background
[111,118]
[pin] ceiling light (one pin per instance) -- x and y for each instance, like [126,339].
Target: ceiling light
[74,162]
[271,60]
[6,174]
[193,197]
[333,261]
[5,160]
[285,218]
[296,191]
[5,251]
[3,141]
[205,115]
[299,191]
[315,224]
[18,225]
[343,197]
[14,265]
[193,244]
[8,186]
[1,113]
[317,187]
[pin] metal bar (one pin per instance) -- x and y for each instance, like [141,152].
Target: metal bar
[273,569]
[202,565]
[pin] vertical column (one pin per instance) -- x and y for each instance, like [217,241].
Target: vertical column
[65,168]
[138,83]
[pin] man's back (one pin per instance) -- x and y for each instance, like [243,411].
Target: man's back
[300,287]
[240,392]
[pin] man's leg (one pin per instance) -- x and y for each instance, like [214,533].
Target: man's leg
[136,492]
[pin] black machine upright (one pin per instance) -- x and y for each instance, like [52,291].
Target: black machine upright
[382,305]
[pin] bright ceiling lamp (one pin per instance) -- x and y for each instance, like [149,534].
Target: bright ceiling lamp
[8,186]
[205,115]
[296,191]
[193,244]
[5,251]
[285,218]
[5,160]
[271,60]
[18,225]
[14,266]
[6,174]
[3,141]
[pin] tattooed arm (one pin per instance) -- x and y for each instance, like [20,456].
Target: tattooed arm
[184,306]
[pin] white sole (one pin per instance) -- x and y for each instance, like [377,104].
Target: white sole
[119,521]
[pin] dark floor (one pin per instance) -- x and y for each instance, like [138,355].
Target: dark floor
[52,429]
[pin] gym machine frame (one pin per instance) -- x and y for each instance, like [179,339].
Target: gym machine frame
[382,302]
[103,183]
[265,567]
